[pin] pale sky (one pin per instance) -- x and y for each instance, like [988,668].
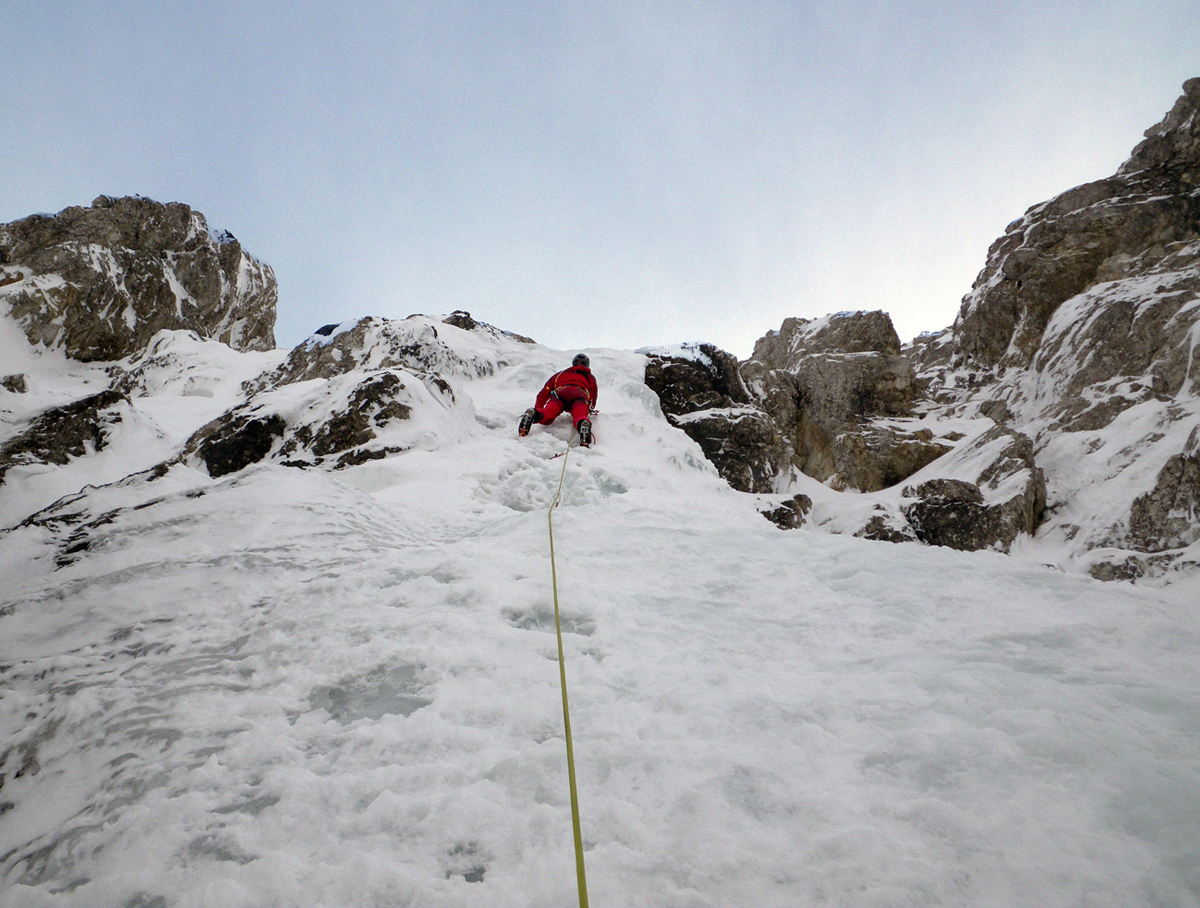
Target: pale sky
[591,174]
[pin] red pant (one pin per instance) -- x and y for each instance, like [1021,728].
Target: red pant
[568,398]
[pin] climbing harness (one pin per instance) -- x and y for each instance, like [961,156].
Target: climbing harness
[562,677]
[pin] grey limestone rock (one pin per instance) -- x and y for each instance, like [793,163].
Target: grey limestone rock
[363,382]
[842,372]
[1094,233]
[99,282]
[743,443]
[1168,516]
[843,332]
[804,406]
[706,397]
[877,457]
[1007,498]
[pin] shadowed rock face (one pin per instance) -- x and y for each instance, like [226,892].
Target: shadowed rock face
[99,282]
[237,442]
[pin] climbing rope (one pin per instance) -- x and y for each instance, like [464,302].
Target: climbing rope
[562,677]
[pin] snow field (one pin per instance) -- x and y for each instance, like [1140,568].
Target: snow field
[288,687]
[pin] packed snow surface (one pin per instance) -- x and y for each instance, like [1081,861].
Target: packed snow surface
[294,687]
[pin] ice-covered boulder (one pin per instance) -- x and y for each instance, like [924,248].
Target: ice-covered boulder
[100,282]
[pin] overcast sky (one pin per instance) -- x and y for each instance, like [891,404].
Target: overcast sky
[610,174]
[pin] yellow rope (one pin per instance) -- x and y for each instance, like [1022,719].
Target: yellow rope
[562,675]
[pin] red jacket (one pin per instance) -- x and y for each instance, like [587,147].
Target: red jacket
[577,377]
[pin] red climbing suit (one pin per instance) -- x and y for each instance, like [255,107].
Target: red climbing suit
[571,389]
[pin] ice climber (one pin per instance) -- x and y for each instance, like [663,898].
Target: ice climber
[573,390]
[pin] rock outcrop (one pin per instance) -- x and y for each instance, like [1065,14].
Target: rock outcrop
[701,391]
[367,389]
[1097,233]
[62,433]
[376,343]
[1005,497]
[1063,401]
[1168,516]
[840,334]
[801,406]
[790,513]
[100,282]
[1082,331]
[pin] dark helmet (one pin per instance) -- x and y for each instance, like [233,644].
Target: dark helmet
[581,360]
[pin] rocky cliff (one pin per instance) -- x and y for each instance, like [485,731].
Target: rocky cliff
[100,282]
[1062,405]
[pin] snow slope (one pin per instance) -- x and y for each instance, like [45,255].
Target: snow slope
[293,687]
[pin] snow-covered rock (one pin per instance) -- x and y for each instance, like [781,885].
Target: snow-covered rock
[61,433]
[339,421]
[1083,332]
[1004,496]
[807,408]
[100,282]
[356,392]
[418,344]
[1077,350]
